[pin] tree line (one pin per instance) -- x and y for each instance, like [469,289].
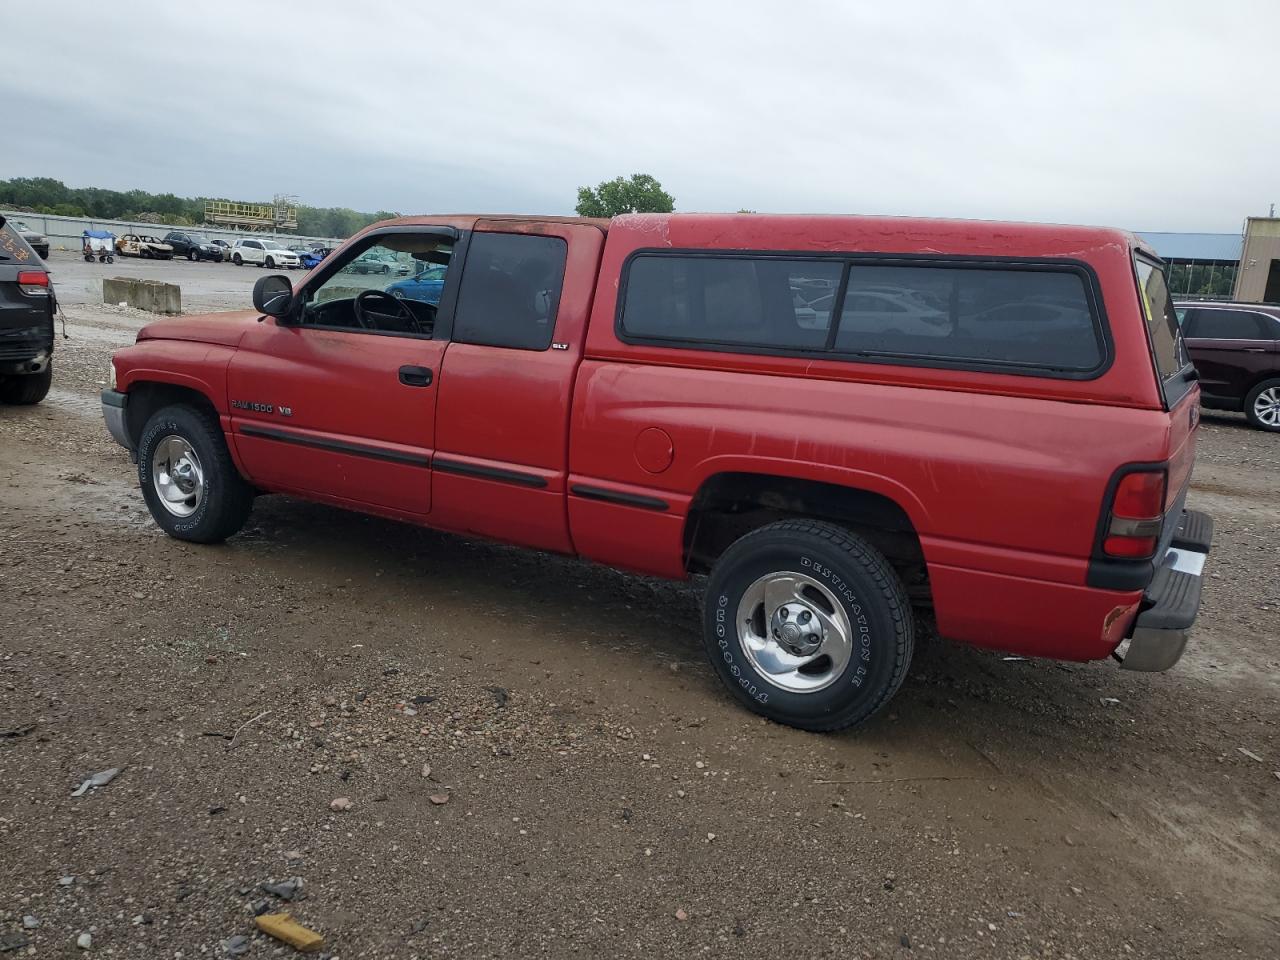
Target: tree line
[46,195]
[639,193]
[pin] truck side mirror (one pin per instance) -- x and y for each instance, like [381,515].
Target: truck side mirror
[273,295]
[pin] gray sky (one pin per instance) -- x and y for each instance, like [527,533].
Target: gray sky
[1145,115]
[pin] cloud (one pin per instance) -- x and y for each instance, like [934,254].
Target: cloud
[1139,116]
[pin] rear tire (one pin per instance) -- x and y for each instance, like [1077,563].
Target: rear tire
[1262,406]
[26,389]
[182,451]
[235,258]
[808,625]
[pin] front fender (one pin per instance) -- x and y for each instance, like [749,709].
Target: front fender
[196,366]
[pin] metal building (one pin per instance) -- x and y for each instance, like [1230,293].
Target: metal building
[1201,265]
[1258,280]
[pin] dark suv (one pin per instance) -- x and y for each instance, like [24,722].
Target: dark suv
[1236,351]
[193,246]
[26,320]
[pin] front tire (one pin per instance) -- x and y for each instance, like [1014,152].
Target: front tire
[192,255]
[271,263]
[809,625]
[1262,406]
[26,389]
[189,482]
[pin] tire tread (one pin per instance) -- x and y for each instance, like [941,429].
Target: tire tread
[237,495]
[26,389]
[871,562]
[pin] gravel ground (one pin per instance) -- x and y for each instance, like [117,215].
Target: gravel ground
[539,762]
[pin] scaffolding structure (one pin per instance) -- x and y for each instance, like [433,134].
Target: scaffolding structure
[280,214]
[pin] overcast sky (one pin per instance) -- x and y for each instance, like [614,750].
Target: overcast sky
[1150,116]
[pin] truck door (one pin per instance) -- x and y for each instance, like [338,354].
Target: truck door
[339,403]
[502,426]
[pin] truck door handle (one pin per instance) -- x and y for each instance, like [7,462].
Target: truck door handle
[415,376]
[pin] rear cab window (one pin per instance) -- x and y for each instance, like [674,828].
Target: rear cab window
[510,291]
[1165,333]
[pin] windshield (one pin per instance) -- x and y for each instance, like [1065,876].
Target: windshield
[271,245]
[1162,322]
[198,238]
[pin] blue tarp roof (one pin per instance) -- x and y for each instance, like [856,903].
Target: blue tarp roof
[1195,246]
[100,234]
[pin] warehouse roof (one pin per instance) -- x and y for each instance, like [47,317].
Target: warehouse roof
[1195,246]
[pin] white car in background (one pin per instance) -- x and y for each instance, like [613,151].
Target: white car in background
[264,253]
[875,311]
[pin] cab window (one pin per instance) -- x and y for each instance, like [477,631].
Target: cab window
[392,286]
[510,291]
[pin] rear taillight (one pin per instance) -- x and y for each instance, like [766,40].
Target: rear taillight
[1136,514]
[33,282]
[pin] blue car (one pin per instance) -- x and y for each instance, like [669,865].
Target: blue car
[426,287]
[311,259]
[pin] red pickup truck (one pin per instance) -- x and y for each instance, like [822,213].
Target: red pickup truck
[839,419]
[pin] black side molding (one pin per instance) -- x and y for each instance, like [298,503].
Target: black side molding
[518,477]
[1115,574]
[341,446]
[613,496]
[114,398]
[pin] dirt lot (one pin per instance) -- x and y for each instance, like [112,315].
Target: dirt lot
[602,796]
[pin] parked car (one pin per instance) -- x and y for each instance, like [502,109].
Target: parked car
[1236,351]
[312,258]
[27,308]
[427,286]
[193,246]
[223,246]
[662,408]
[36,240]
[264,253]
[147,247]
[378,263]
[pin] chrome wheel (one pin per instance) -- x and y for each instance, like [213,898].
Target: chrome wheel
[794,632]
[177,476]
[1266,407]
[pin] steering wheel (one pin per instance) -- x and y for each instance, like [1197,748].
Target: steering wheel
[367,316]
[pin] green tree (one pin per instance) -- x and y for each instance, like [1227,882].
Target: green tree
[640,194]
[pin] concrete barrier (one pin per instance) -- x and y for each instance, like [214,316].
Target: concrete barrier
[151,295]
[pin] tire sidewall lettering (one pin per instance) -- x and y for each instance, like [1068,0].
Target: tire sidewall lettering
[742,674]
[857,616]
[146,448]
